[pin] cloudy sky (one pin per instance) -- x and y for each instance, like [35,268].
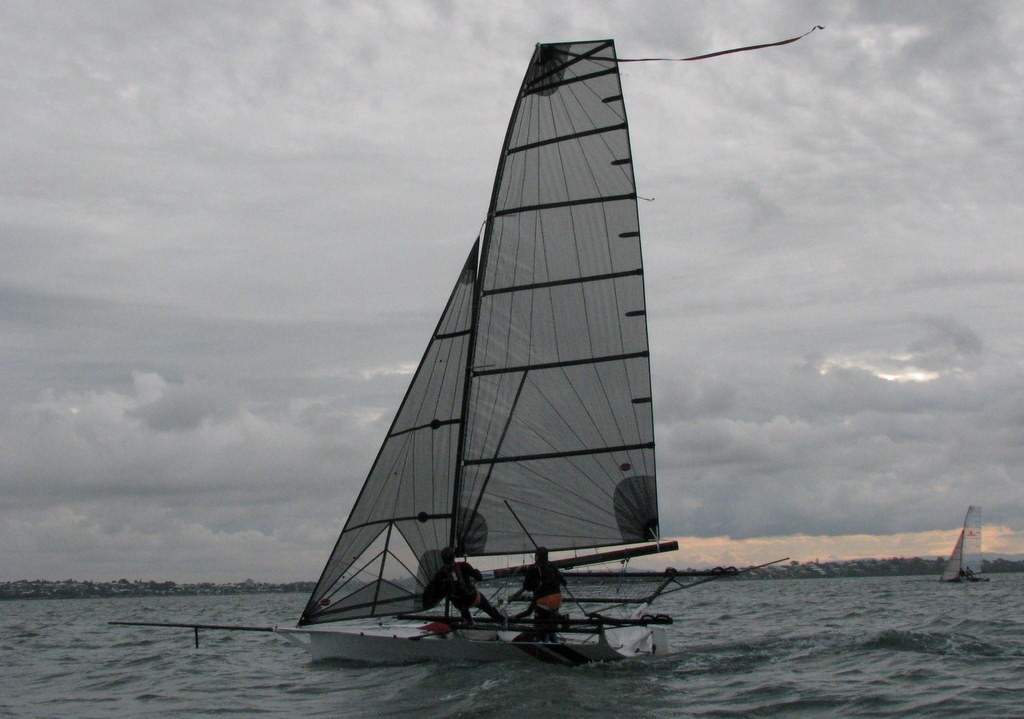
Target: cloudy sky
[227,230]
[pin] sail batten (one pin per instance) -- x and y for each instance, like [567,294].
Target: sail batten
[564,203]
[433,424]
[398,520]
[557,455]
[566,138]
[570,81]
[452,335]
[555,365]
[571,281]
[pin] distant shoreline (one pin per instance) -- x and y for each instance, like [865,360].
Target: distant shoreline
[894,567]
[74,589]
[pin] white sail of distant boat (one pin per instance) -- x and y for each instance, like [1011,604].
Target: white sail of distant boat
[964,562]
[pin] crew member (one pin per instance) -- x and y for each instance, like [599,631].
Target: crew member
[546,582]
[454,580]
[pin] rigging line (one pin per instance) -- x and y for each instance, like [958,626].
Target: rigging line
[457,366]
[536,546]
[566,515]
[338,587]
[576,435]
[348,608]
[473,270]
[661,591]
[543,477]
[590,415]
[707,55]
[497,448]
[383,564]
[571,461]
[584,498]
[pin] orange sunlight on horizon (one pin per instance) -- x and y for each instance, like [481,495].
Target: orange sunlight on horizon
[702,552]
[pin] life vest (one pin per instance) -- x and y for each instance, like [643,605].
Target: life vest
[550,602]
[546,582]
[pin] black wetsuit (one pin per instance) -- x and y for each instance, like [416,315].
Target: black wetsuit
[455,581]
[543,579]
[546,582]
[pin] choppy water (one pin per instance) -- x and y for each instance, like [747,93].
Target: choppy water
[893,647]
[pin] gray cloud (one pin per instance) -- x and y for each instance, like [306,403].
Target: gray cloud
[227,231]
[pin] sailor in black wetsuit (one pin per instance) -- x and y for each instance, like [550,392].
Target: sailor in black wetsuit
[454,580]
[546,582]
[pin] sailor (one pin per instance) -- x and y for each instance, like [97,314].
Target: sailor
[546,582]
[454,580]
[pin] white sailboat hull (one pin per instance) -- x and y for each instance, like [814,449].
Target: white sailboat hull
[397,643]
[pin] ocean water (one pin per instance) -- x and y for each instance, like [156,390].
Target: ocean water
[886,647]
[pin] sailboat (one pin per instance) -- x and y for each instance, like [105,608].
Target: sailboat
[528,423]
[964,564]
[529,419]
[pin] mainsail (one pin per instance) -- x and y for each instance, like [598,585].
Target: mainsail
[560,422]
[529,420]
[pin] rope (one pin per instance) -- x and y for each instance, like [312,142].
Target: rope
[706,55]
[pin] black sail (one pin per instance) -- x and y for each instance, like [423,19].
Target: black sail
[559,429]
[390,546]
